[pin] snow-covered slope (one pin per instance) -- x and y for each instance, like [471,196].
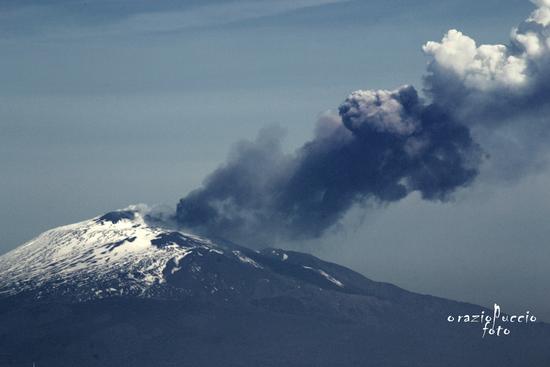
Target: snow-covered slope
[117,253]
[126,253]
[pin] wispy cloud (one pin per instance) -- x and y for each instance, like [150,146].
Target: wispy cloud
[123,17]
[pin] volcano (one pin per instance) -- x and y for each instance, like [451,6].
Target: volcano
[124,289]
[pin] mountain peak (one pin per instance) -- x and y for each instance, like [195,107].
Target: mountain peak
[124,253]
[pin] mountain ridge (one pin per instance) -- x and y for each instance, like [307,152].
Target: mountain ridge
[107,243]
[120,289]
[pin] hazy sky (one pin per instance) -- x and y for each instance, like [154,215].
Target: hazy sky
[109,103]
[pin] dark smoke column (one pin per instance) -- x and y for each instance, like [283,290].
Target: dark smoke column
[383,146]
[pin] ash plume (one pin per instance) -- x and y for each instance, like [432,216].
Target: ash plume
[385,144]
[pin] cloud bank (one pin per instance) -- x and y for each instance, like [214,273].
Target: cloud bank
[486,101]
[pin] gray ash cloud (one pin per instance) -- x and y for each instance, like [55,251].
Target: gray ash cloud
[383,146]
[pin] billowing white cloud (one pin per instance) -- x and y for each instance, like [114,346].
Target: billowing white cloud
[542,14]
[529,41]
[484,67]
[500,91]
[495,67]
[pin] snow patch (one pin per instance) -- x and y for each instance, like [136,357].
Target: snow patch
[246,259]
[329,277]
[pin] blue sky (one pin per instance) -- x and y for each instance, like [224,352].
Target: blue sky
[109,103]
